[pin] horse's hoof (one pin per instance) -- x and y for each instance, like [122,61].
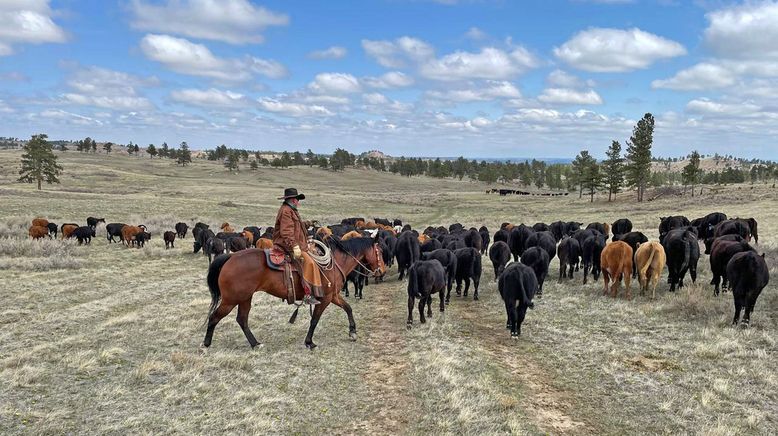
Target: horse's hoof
[409,326]
[515,337]
[258,347]
[352,336]
[475,298]
[203,349]
[310,346]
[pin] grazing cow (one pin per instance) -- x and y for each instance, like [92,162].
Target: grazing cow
[537,259]
[633,239]
[616,264]
[518,240]
[748,275]
[603,228]
[92,221]
[170,238]
[181,229]
[256,233]
[621,226]
[517,286]
[572,227]
[683,252]
[425,277]
[558,229]
[199,226]
[141,238]
[722,250]
[569,253]
[540,227]
[669,223]
[473,239]
[500,255]
[38,232]
[485,240]
[113,230]
[129,233]
[264,243]
[431,245]
[84,234]
[468,267]
[592,250]
[67,230]
[213,247]
[650,259]
[544,240]
[52,229]
[407,252]
[40,222]
[449,260]
[227,228]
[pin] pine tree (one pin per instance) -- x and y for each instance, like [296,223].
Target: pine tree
[107,147]
[164,150]
[39,162]
[136,149]
[691,172]
[580,165]
[254,165]
[231,163]
[94,146]
[638,170]
[184,155]
[151,150]
[310,157]
[613,169]
[592,178]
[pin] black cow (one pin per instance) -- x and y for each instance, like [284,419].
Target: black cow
[485,240]
[456,227]
[517,286]
[573,227]
[682,253]
[213,246]
[558,229]
[169,238]
[582,235]
[731,237]
[621,226]
[407,252]
[544,240]
[707,224]
[600,227]
[500,255]
[722,250]
[199,227]
[431,245]
[455,244]
[382,221]
[540,227]
[592,249]
[752,228]
[113,230]
[633,239]
[518,240]
[501,235]
[748,275]
[255,231]
[52,229]
[671,222]
[569,253]
[425,278]
[203,235]
[397,222]
[359,278]
[84,234]
[141,238]
[92,221]
[473,239]
[181,229]
[468,267]
[449,260]
[390,241]
[538,259]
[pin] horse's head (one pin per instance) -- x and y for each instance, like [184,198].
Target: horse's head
[375,259]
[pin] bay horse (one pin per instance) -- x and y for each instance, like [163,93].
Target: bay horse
[234,278]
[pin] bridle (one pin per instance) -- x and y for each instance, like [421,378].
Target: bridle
[373,273]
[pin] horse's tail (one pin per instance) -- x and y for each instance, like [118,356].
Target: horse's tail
[213,281]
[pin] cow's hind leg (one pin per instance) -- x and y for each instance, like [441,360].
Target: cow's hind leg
[243,322]
[220,312]
[410,311]
[422,301]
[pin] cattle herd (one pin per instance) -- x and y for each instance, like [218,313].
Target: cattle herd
[438,258]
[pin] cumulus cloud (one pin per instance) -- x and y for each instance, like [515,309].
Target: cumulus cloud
[566,96]
[209,97]
[338,83]
[709,107]
[27,22]
[231,21]
[563,79]
[699,77]
[334,52]
[489,90]
[489,63]
[396,54]
[747,31]
[392,79]
[475,34]
[293,109]
[185,57]
[109,89]
[616,50]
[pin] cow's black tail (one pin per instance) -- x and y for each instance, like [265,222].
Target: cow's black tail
[413,282]
[213,281]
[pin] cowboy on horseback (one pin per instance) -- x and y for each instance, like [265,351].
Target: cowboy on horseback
[291,236]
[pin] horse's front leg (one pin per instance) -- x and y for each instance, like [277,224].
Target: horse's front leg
[352,325]
[315,321]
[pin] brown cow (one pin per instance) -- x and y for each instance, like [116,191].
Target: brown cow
[67,230]
[323,233]
[227,228]
[249,237]
[129,233]
[650,259]
[38,232]
[616,264]
[423,239]
[264,243]
[351,235]
[40,222]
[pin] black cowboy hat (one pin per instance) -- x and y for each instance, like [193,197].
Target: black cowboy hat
[292,193]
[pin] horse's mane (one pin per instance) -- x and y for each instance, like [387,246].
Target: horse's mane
[353,246]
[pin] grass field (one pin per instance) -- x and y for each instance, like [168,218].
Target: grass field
[102,339]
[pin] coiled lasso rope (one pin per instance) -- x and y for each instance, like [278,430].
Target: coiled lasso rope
[324,259]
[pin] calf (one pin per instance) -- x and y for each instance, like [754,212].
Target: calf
[650,259]
[468,268]
[569,253]
[358,277]
[181,229]
[264,243]
[621,226]
[708,223]
[249,236]
[538,259]
[256,233]
[202,236]
[683,252]
[748,275]
[407,252]
[84,234]
[722,251]
[500,255]
[38,232]
[485,240]
[113,230]
[449,260]
[92,221]
[425,277]
[517,286]
[141,238]
[592,250]
[170,238]
[616,263]
[52,230]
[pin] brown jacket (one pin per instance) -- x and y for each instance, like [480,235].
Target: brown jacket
[289,230]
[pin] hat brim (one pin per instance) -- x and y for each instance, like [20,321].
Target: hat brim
[298,196]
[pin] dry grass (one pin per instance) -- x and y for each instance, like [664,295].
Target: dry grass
[113,347]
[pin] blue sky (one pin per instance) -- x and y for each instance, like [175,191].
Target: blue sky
[413,77]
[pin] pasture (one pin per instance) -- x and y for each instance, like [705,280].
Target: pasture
[104,339]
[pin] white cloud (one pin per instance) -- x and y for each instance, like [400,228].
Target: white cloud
[563,79]
[185,57]
[293,109]
[338,83]
[475,34]
[699,77]
[392,79]
[209,97]
[565,96]
[489,90]
[231,21]
[616,50]
[334,52]
[69,117]
[395,54]
[747,31]
[708,107]
[489,63]
[109,89]
[375,98]
[27,22]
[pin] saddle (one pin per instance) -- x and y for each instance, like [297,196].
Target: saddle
[278,260]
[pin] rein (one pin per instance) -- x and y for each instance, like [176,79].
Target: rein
[374,272]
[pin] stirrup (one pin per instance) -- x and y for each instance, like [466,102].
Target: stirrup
[310,299]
